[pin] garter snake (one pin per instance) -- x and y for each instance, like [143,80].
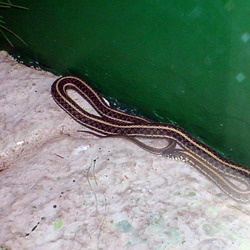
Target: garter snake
[227,175]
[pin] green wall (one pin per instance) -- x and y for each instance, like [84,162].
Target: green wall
[186,61]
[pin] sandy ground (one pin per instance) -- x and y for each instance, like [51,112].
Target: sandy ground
[61,189]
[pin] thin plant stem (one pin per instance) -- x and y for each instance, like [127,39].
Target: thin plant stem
[4,29]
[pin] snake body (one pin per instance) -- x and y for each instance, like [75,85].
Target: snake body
[227,175]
